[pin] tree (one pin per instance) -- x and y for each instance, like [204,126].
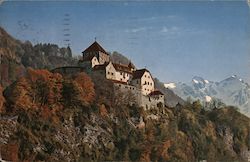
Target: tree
[2,100]
[197,105]
[36,90]
[103,89]
[85,87]
[10,152]
[78,90]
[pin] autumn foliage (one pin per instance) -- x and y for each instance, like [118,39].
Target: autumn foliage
[84,88]
[2,100]
[46,91]
[9,152]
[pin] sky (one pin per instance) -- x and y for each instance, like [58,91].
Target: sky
[174,40]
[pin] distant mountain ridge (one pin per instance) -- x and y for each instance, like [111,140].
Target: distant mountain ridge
[232,91]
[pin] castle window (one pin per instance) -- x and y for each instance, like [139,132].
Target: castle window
[112,73]
[120,73]
[150,83]
[108,72]
[121,79]
[145,82]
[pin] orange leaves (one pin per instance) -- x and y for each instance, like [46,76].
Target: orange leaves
[38,88]
[45,91]
[78,90]
[9,152]
[45,112]
[34,75]
[103,110]
[20,94]
[164,150]
[85,86]
[47,87]
[2,100]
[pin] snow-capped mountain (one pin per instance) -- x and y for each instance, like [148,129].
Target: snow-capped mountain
[231,91]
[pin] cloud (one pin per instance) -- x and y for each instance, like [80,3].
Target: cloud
[171,30]
[136,30]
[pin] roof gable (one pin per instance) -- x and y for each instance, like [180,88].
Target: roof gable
[139,73]
[155,93]
[95,47]
[123,68]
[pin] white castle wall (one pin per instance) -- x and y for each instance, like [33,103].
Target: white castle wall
[123,76]
[94,62]
[145,83]
[110,72]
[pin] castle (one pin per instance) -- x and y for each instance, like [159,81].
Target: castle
[125,77]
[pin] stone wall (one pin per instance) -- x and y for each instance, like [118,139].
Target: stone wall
[147,102]
[150,102]
[103,57]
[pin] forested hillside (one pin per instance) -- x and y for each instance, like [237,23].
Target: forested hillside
[16,56]
[49,117]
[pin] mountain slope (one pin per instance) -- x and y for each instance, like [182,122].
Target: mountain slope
[73,119]
[16,56]
[232,91]
[171,99]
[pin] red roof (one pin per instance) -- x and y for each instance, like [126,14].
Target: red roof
[95,47]
[120,67]
[139,73]
[156,92]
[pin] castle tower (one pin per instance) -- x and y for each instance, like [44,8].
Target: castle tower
[97,51]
